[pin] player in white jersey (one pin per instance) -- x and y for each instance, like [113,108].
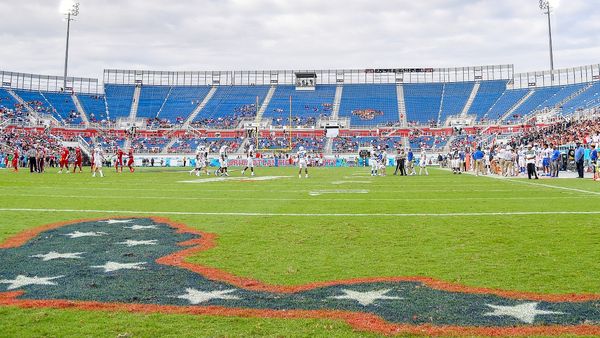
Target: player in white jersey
[455,161]
[374,161]
[201,157]
[546,155]
[250,160]
[98,160]
[302,162]
[383,159]
[223,162]
[423,163]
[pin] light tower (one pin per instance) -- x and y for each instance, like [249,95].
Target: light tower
[71,12]
[546,8]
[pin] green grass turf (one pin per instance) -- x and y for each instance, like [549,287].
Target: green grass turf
[550,254]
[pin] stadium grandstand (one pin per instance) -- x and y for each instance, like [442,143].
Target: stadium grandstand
[174,112]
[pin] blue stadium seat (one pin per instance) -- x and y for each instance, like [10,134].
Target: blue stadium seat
[118,99]
[540,95]
[307,106]
[455,98]
[586,100]
[423,102]
[370,104]
[182,101]
[38,102]
[64,106]
[489,92]
[508,100]
[94,106]
[229,103]
[6,100]
[152,99]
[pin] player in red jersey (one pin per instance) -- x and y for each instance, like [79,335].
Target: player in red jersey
[119,161]
[64,160]
[15,160]
[93,160]
[78,160]
[130,161]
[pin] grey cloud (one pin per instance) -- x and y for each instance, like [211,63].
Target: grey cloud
[284,34]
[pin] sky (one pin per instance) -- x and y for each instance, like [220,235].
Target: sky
[197,35]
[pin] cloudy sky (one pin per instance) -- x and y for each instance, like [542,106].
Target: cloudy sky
[294,34]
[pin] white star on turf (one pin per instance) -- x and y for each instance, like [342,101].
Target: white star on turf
[21,281]
[196,296]
[131,242]
[55,255]
[524,312]
[114,266]
[79,234]
[142,227]
[365,298]
[117,221]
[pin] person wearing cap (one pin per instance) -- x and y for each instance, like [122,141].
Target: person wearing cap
[579,158]
[530,157]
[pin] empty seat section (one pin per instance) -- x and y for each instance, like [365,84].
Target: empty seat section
[152,99]
[182,101]
[307,106]
[229,104]
[508,100]
[38,102]
[564,93]
[65,107]
[423,102]
[119,99]
[489,92]
[6,100]
[456,96]
[370,105]
[540,95]
[94,106]
[586,100]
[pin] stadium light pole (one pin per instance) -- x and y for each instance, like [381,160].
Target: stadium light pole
[546,8]
[72,12]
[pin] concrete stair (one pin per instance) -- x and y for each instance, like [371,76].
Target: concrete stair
[265,104]
[199,107]
[517,105]
[469,103]
[337,101]
[135,103]
[80,110]
[401,105]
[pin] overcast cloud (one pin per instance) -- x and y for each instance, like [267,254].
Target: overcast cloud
[294,34]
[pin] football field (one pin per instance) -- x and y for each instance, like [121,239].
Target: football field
[338,254]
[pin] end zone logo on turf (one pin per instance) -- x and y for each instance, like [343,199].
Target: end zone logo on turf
[138,265]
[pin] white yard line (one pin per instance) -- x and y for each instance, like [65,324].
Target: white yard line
[533,183]
[552,186]
[266,214]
